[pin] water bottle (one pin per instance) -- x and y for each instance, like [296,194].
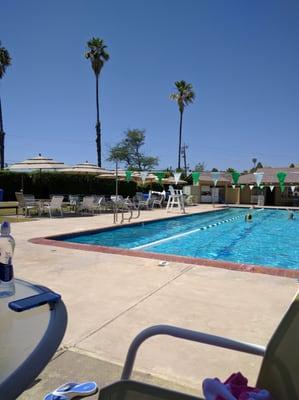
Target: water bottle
[7,246]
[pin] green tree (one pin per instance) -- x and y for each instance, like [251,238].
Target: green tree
[201,166]
[292,165]
[129,151]
[214,169]
[254,160]
[184,96]
[259,165]
[97,55]
[230,169]
[5,61]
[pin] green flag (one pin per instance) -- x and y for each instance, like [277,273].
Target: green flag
[128,175]
[281,178]
[195,177]
[160,176]
[235,175]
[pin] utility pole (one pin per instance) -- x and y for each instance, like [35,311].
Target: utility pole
[2,137]
[183,152]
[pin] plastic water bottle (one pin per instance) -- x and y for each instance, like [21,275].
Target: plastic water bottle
[7,246]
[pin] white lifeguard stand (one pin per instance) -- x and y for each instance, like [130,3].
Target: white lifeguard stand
[176,199]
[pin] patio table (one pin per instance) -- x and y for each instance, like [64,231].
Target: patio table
[29,337]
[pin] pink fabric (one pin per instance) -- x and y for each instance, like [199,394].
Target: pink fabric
[236,385]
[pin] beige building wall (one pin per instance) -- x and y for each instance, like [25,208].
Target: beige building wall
[245,195]
[232,195]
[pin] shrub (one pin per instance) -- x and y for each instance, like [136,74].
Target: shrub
[44,184]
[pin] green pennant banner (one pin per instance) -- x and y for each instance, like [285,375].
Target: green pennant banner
[128,175]
[160,176]
[281,178]
[235,175]
[195,177]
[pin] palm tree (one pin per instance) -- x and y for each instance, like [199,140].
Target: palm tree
[5,61]
[97,55]
[184,96]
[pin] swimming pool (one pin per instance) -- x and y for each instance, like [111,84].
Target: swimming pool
[270,239]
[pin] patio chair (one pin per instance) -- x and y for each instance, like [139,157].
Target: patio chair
[157,200]
[88,205]
[99,203]
[74,201]
[118,198]
[54,205]
[141,202]
[28,203]
[278,374]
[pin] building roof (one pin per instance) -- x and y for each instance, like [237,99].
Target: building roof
[271,177]
[207,177]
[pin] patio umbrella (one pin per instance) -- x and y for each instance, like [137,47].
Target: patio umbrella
[171,181]
[120,175]
[85,168]
[37,163]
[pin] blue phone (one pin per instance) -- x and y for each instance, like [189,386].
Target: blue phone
[34,301]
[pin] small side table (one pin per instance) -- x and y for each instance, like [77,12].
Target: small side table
[28,339]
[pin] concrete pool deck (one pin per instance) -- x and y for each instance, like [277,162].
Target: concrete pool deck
[110,298]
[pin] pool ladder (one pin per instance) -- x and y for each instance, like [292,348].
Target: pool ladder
[123,209]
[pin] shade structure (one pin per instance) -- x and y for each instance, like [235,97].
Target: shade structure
[37,163]
[85,168]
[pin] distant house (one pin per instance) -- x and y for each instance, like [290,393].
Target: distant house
[274,197]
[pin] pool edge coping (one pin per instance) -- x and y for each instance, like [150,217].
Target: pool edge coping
[205,262]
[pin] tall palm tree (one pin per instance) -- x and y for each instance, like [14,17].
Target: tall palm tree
[184,96]
[97,55]
[5,61]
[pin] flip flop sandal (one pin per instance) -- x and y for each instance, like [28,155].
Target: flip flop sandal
[70,390]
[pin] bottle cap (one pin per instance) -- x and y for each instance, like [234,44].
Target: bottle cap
[5,228]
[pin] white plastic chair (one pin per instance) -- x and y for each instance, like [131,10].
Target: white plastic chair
[54,205]
[88,204]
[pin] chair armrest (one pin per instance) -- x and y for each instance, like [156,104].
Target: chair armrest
[186,334]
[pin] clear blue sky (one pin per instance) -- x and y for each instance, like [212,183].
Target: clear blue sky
[242,58]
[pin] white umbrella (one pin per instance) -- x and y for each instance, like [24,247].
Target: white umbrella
[85,168]
[172,181]
[37,163]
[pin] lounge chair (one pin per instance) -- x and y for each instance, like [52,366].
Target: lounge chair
[278,374]
[54,205]
[28,203]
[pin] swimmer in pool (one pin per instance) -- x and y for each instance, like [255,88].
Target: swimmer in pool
[291,215]
[248,217]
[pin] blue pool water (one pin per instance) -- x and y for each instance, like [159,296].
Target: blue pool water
[270,239]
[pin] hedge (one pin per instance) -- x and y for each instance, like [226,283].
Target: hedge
[44,184]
